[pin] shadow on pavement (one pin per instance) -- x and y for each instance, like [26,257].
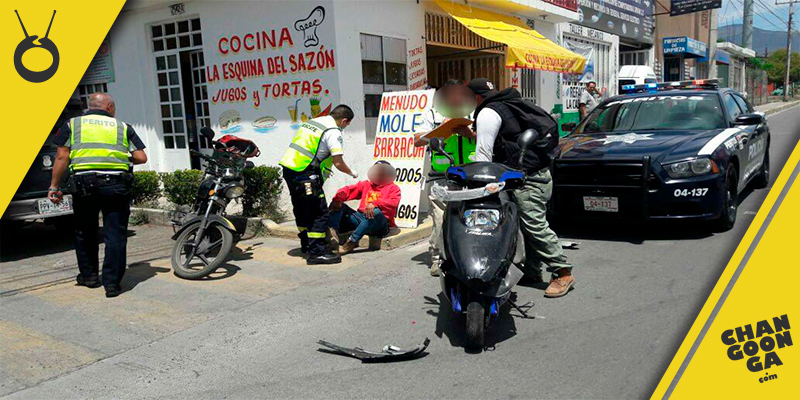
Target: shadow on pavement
[37,239]
[140,272]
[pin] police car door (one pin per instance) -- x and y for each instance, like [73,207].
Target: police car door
[757,145]
[743,137]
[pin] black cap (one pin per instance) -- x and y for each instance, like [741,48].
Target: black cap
[482,87]
[382,162]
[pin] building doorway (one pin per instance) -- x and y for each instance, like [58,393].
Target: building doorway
[182,92]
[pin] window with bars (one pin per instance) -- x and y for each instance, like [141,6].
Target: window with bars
[383,69]
[176,44]
[573,87]
[84,91]
[175,35]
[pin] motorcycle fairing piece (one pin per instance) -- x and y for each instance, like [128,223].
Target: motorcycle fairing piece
[388,354]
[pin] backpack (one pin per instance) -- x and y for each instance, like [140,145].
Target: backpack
[531,116]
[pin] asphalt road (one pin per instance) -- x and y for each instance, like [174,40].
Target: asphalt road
[251,332]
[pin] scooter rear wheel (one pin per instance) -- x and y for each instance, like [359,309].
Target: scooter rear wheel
[475,325]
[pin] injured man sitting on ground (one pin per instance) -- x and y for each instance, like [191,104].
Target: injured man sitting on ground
[379,197]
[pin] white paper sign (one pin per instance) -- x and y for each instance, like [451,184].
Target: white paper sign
[400,115]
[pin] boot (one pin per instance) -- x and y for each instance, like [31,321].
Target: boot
[348,247]
[303,242]
[327,258]
[561,284]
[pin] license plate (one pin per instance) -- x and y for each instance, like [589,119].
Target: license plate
[48,207]
[605,204]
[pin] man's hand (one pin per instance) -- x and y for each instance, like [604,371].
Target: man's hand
[369,211]
[354,175]
[335,206]
[55,195]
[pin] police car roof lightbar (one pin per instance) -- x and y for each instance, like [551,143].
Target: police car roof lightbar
[653,87]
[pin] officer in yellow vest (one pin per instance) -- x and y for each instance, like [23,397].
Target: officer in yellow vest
[316,146]
[99,151]
[453,96]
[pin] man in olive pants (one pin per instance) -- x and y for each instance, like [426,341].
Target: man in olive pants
[541,243]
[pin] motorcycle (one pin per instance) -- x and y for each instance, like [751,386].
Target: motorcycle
[203,236]
[484,251]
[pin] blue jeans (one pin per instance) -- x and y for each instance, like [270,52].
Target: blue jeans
[348,219]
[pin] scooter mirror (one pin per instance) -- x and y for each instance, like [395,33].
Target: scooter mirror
[525,141]
[207,132]
[437,146]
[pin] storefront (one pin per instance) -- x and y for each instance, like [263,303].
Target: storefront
[676,51]
[601,52]
[259,69]
[733,74]
[723,60]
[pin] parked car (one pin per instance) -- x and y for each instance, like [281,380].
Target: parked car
[30,202]
[635,75]
[663,151]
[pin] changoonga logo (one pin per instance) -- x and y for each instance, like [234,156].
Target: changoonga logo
[766,339]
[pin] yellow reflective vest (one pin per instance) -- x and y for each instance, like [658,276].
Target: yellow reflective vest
[302,152]
[98,142]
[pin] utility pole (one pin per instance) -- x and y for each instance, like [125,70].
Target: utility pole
[712,43]
[747,25]
[788,49]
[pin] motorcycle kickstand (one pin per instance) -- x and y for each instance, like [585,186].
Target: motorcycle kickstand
[521,311]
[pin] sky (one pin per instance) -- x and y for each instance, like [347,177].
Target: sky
[731,13]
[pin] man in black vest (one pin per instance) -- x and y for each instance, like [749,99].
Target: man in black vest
[497,127]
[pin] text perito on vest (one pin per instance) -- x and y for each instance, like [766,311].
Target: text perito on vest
[98,142]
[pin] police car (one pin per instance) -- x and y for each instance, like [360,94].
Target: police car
[673,150]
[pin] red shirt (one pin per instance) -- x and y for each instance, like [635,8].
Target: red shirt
[384,197]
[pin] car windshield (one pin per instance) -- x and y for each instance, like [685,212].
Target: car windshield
[656,112]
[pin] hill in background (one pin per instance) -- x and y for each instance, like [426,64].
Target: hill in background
[762,39]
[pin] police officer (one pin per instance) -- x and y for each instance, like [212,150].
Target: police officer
[316,146]
[453,96]
[99,151]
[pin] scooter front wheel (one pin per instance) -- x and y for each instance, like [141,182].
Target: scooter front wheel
[212,251]
[475,325]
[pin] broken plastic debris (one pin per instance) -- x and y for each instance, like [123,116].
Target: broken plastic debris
[389,352]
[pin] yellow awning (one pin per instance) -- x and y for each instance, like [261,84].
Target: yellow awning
[526,47]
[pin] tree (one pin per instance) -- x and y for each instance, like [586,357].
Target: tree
[775,66]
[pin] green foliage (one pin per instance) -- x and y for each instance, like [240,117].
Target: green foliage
[262,191]
[146,188]
[180,186]
[138,218]
[776,67]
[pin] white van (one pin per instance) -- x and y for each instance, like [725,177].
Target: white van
[636,75]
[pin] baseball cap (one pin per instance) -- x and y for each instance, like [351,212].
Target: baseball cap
[482,87]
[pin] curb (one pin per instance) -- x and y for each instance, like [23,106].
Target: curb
[782,108]
[251,227]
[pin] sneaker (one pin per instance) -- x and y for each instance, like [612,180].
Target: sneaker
[90,283]
[113,291]
[436,267]
[560,285]
[327,258]
[348,247]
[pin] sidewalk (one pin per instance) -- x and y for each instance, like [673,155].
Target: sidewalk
[772,108]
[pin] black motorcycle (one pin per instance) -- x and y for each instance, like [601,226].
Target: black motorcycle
[204,237]
[483,244]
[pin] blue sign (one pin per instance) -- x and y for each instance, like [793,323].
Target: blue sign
[684,46]
[722,56]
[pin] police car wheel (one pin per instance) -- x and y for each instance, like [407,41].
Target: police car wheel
[761,180]
[730,201]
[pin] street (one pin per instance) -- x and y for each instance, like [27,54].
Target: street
[251,331]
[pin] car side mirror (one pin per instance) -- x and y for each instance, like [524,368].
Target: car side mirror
[749,119]
[437,146]
[568,126]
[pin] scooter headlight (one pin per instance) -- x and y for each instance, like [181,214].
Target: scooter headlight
[482,219]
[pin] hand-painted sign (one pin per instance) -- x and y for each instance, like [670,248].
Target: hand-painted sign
[679,7]
[571,5]
[268,76]
[400,114]
[632,19]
